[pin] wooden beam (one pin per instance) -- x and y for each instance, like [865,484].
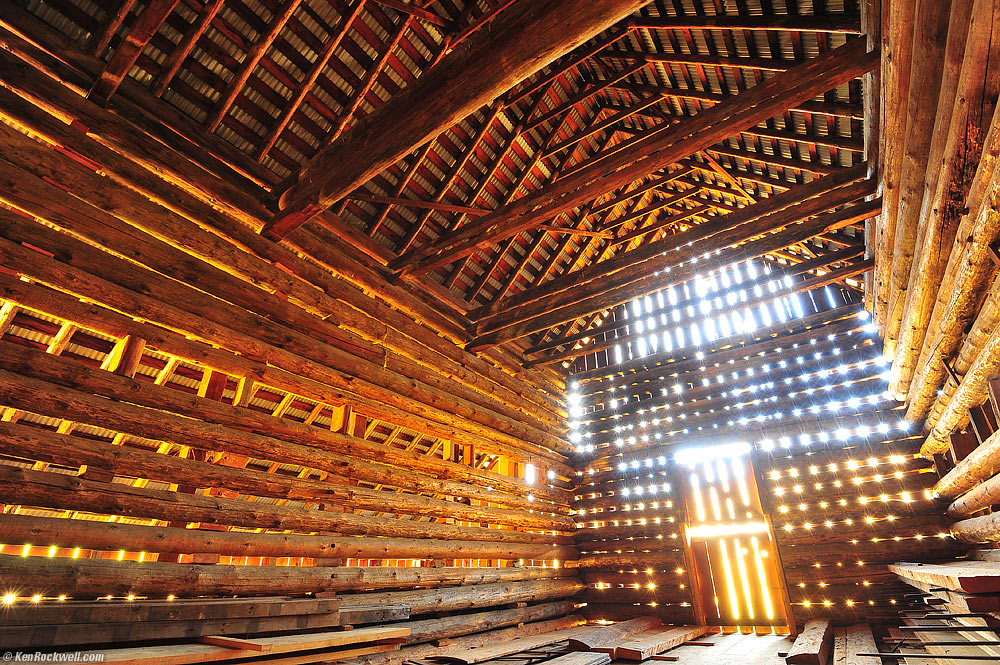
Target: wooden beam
[653,153]
[647,644]
[807,199]
[413,203]
[813,644]
[111,536]
[184,47]
[109,25]
[417,11]
[145,26]
[519,42]
[832,23]
[52,447]
[309,79]
[249,63]
[45,489]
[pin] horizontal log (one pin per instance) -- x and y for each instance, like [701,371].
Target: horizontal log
[664,560]
[426,601]
[114,536]
[978,466]
[982,496]
[673,614]
[445,627]
[111,323]
[63,492]
[60,402]
[80,578]
[643,594]
[841,23]
[279,334]
[62,635]
[83,612]
[28,262]
[43,445]
[977,530]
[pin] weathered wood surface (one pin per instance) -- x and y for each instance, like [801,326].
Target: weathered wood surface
[422,652]
[813,645]
[46,446]
[55,490]
[651,642]
[982,496]
[977,530]
[60,635]
[462,624]
[82,578]
[425,601]
[860,640]
[581,658]
[977,467]
[963,602]
[168,418]
[967,576]
[185,654]
[181,609]
[605,638]
[109,536]
[489,652]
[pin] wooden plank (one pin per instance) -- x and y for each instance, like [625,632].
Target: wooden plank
[492,651]
[608,636]
[840,652]
[649,643]
[967,576]
[964,602]
[859,639]
[56,635]
[32,614]
[813,645]
[367,614]
[581,658]
[183,654]
[186,653]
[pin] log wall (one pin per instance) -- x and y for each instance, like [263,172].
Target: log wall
[191,410]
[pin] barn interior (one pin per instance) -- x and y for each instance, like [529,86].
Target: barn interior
[501,332]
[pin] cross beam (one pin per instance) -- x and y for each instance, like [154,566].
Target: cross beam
[520,41]
[653,153]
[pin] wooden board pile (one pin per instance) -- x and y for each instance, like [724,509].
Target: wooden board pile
[960,587]
[214,629]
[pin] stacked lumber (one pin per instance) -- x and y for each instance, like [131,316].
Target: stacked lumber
[330,646]
[498,650]
[106,622]
[649,643]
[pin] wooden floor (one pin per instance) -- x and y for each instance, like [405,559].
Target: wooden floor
[732,649]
